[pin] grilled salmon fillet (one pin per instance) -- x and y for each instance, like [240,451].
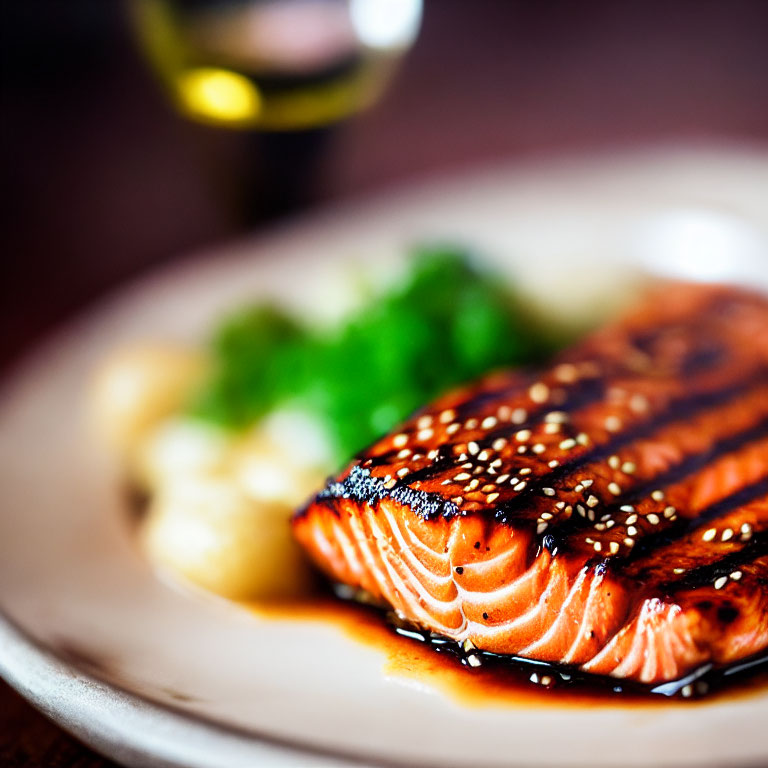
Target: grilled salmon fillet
[609,513]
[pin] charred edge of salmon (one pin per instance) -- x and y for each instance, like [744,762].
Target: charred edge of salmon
[359,485]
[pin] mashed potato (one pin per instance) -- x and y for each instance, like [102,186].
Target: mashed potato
[220,501]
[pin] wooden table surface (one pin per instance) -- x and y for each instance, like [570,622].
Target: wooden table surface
[103,181]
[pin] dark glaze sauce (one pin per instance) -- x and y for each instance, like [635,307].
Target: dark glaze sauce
[507,681]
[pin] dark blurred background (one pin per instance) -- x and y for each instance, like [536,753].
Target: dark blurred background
[102,179]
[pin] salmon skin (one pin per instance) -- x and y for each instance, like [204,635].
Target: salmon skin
[609,513]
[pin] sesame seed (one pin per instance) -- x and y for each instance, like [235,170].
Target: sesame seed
[669,512]
[657,495]
[541,527]
[404,453]
[523,435]
[631,530]
[582,510]
[727,534]
[546,515]
[484,455]
[519,415]
[546,680]
[451,429]
[720,582]
[610,524]
[566,373]
[433,453]
[424,434]
[424,421]
[499,444]
[520,486]
[736,575]
[551,429]
[462,476]
[447,415]
[522,449]
[503,478]
[391,483]
[548,491]
[458,500]
[614,488]
[446,482]
[591,514]
[474,661]
[629,467]
[473,447]
[496,463]
[629,541]
[399,440]
[614,462]
[488,487]
[709,534]
[534,678]
[652,518]
[617,394]
[613,423]
[402,472]
[525,471]
[678,571]
[472,484]
[539,392]
[592,501]
[687,691]
[586,483]
[467,465]
[614,547]
[567,444]
[489,422]
[631,520]
[556,417]
[554,463]
[599,526]
[539,448]
[597,546]
[491,497]
[582,438]
[417,456]
[560,505]
[638,403]
[468,645]
[504,412]
[470,423]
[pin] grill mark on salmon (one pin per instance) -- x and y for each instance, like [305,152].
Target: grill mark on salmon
[682,526]
[593,515]
[660,485]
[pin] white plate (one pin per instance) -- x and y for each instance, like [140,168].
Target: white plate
[175,679]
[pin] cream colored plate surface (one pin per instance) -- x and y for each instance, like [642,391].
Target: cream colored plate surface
[73,586]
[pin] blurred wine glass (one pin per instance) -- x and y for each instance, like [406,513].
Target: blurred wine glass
[275,65]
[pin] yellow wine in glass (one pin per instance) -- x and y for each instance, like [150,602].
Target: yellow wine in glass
[275,64]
